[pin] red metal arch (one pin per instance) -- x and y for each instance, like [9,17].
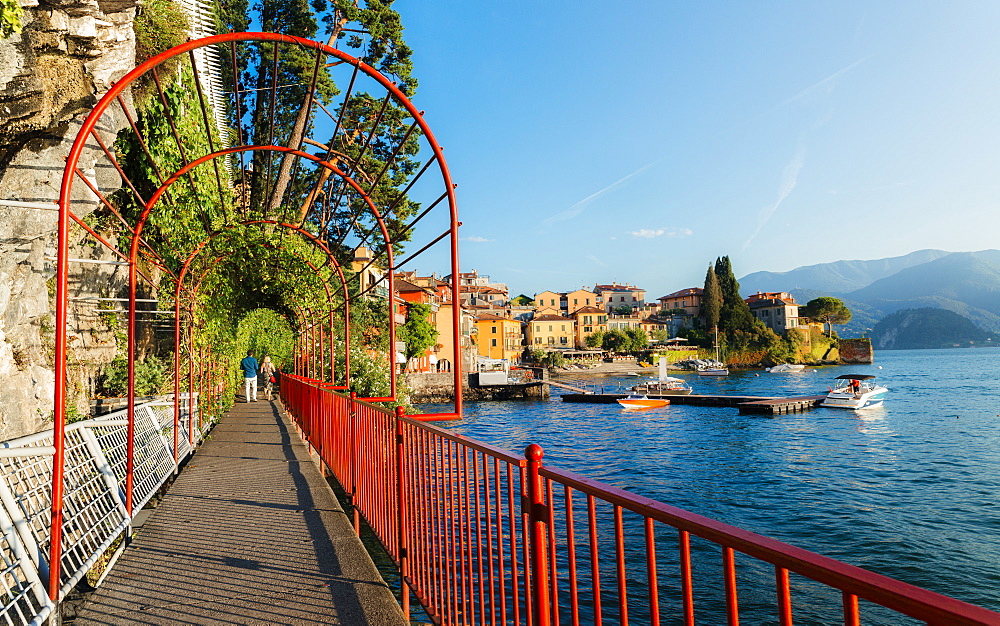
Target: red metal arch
[72,171]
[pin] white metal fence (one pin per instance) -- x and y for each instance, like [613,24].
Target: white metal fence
[94,502]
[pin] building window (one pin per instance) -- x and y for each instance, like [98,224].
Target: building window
[538,340]
[563,340]
[552,302]
[493,342]
[563,327]
[538,328]
[552,340]
[550,328]
[493,329]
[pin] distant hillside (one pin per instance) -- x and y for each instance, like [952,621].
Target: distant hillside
[966,283]
[911,329]
[838,277]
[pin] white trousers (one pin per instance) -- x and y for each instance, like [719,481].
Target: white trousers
[250,382]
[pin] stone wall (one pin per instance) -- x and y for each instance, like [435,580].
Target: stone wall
[441,388]
[51,75]
[856,351]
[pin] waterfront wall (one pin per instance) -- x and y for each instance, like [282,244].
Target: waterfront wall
[856,351]
[440,388]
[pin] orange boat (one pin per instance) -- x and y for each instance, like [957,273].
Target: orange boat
[636,401]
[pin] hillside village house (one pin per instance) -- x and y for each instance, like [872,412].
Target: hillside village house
[412,293]
[589,320]
[551,331]
[371,278]
[498,337]
[564,303]
[614,296]
[778,310]
[688,300]
[444,351]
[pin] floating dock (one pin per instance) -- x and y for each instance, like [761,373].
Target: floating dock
[767,405]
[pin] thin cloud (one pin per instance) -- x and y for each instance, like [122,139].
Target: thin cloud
[597,260]
[653,233]
[578,208]
[475,239]
[648,233]
[789,179]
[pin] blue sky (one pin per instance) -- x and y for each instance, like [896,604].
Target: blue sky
[637,141]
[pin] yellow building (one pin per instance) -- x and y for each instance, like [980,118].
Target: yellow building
[551,331]
[579,299]
[498,337]
[589,320]
[547,303]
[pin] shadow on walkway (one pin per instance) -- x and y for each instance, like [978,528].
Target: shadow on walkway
[249,533]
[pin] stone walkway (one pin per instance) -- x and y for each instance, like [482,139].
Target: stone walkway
[249,533]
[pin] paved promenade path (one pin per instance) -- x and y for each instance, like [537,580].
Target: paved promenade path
[249,533]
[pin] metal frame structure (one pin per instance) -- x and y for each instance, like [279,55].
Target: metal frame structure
[97,514]
[205,379]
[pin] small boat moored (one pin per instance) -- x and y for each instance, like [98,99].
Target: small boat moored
[639,401]
[855,391]
[667,386]
[785,367]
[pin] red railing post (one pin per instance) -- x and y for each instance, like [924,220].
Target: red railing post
[538,521]
[351,414]
[401,523]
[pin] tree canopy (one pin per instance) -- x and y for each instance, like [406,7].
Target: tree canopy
[827,310]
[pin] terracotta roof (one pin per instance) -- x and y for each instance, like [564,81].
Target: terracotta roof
[492,317]
[588,309]
[551,318]
[617,287]
[759,303]
[692,291]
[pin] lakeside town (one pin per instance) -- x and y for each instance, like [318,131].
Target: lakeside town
[608,321]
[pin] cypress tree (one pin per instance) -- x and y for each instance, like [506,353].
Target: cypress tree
[735,314]
[711,299]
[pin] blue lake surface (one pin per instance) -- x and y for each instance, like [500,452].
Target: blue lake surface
[908,490]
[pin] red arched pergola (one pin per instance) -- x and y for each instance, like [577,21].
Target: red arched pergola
[350,185]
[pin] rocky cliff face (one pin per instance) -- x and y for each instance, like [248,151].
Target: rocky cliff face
[51,74]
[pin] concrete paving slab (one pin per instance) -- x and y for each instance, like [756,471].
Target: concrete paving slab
[250,533]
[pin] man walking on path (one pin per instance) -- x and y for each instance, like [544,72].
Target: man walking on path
[249,365]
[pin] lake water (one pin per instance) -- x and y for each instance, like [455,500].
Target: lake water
[908,490]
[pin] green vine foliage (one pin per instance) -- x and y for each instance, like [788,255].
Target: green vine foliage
[268,334]
[256,286]
[11,15]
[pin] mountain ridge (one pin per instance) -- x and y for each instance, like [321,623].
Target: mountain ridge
[966,283]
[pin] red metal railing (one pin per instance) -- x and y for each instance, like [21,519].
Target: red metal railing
[482,536]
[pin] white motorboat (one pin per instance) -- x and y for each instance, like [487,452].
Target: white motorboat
[785,367]
[713,371]
[667,386]
[855,391]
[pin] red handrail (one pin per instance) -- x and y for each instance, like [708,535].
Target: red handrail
[481,535]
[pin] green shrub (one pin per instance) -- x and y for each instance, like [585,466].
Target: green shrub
[150,377]
[10,18]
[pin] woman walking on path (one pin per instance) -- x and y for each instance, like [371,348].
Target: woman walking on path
[267,371]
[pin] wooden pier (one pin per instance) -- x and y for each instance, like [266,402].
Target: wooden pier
[767,405]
